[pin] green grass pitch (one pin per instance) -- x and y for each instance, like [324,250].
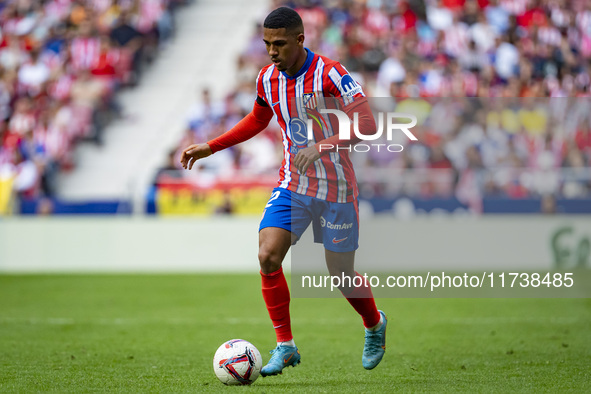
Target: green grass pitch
[158,333]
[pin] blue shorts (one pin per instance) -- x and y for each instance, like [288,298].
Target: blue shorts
[336,225]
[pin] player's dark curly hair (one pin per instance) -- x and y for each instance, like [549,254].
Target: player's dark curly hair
[284,17]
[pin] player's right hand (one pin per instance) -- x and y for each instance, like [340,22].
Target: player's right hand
[193,153]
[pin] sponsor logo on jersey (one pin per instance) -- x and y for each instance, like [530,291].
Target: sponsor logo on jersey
[298,132]
[349,86]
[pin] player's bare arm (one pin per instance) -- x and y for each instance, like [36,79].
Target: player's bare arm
[193,153]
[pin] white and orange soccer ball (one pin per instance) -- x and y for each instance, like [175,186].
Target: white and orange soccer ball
[237,362]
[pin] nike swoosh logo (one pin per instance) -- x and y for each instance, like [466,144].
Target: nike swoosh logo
[289,358]
[336,241]
[274,104]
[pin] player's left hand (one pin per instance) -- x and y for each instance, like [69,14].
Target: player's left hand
[305,157]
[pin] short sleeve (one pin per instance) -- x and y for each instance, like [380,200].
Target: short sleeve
[261,96]
[341,84]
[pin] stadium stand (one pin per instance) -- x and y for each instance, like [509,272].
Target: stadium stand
[62,63]
[515,75]
[518,73]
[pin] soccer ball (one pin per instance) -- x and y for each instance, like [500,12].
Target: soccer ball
[237,362]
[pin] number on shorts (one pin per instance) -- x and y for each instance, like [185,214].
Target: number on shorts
[274,196]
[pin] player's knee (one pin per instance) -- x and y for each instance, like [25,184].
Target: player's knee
[269,260]
[339,269]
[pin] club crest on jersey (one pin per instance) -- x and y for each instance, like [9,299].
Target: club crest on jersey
[349,87]
[310,101]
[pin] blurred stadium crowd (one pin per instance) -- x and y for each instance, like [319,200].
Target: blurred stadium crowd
[521,68]
[61,65]
[517,73]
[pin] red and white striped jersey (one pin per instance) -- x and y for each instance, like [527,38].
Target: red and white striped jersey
[331,177]
[85,52]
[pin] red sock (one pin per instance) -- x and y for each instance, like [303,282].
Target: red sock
[276,296]
[361,298]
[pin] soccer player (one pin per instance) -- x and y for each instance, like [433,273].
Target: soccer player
[317,183]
